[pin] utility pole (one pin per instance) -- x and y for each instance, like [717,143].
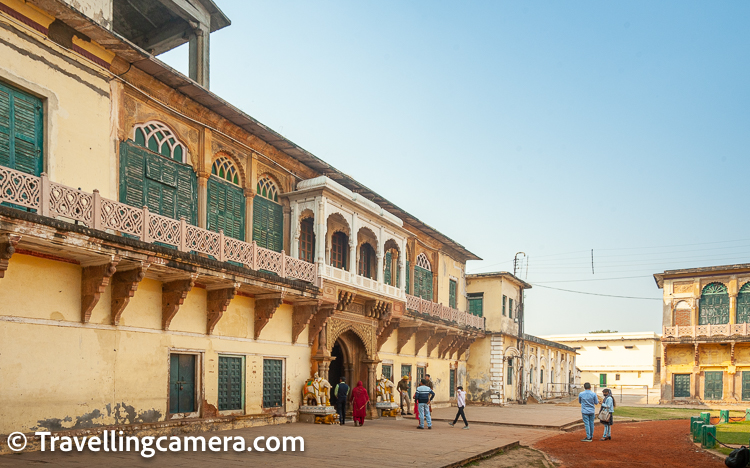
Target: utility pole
[519,317]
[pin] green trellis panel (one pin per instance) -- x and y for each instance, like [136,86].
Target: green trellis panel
[743,304]
[21,131]
[273,381]
[423,283]
[681,385]
[713,385]
[452,293]
[230,383]
[745,385]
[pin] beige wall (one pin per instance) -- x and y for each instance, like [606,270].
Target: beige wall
[76,109]
[494,288]
[60,374]
[451,269]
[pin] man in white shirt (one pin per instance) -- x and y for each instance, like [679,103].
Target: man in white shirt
[461,403]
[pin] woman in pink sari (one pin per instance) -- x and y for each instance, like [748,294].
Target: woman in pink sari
[360,400]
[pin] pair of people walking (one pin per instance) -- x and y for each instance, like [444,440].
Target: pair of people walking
[589,402]
[359,399]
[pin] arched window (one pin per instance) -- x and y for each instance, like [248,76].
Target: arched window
[339,246]
[160,139]
[226,200]
[268,217]
[307,240]
[714,305]
[367,260]
[743,304]
[423,278]
[391,272]
[153,173]
[682,314]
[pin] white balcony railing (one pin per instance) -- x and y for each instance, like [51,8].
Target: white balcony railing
[440,311]
[343,276]
[696,331]
[53,200]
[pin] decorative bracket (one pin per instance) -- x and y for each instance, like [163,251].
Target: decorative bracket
[124,285]
[345,298]
[94,280]
[317,322]
[301,317]
[8,244]
[404,335]
[435,340]
[217,301]
[422,336]
[377,309]
[465,346]
[173,294]
[445,344]
[265,307]
[386,332]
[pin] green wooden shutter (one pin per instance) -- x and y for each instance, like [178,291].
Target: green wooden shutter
[387,268]
[168,188]
[408,274]
[681,385]
[268,224]
[21,131]
[230,383]
[453,286]
[272,383]
[713,386]
[423,283]
[452,383]
[226,208]
[745,385]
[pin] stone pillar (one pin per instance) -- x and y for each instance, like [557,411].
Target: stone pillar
[402,265]
[286,226]
[203,199]
[320,230]
[732,308]
[353,246]
[198,64]
[294,230]
[380,255]
[372,367]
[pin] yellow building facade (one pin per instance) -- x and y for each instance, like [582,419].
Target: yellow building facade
[166,260]
[498,360]
[705,337]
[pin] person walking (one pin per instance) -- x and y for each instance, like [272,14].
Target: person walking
[342,395]
[608,404]
[461,403]
[360,400]
[403,389]
[588,401]
[423,396]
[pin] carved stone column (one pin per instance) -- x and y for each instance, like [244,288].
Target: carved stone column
[294,230]
[353,254]
[287,224]
[321,235]
[372,367]
[249,196]
[733,308]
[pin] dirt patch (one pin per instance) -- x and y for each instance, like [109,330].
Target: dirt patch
[520,457]
[652,443]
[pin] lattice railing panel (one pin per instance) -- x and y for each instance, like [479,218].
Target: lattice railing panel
[163,229]
[70,203]
[201,240]
[720,330]
[300,269]
[442,312]
[122,217]
[269,260]
[19,188]
[240,252]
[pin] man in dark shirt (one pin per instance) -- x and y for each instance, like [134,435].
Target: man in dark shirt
[342,396]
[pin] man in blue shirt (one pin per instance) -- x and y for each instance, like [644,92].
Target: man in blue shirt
[423,397]
[588,401]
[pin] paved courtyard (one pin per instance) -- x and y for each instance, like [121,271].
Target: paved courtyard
[379,442]
[547,416]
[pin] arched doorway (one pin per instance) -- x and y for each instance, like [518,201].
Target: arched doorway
[349,351]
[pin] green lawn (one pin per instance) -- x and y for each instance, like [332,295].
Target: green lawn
[734,433]
[638,412]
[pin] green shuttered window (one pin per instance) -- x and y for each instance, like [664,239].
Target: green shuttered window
[226,208]
[307,240]
[273,381]
[423,283]
[408,275]
[21,131]
[181,383]
[681,385]
[745,385]
[713,307]
[452,293]
[231,389]
[268,216]
[168,188]
[476,305]
[713,386]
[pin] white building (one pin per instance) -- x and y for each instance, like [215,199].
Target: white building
[614,359]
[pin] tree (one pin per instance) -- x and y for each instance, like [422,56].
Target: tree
[604,331]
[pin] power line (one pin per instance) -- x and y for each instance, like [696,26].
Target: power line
[596,294]
[594,279]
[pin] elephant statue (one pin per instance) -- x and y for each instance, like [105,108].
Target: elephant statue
[316,392]
[385,390]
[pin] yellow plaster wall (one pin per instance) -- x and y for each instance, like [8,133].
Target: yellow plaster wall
[494,289]
[478,369]
[450,267]
[78,150]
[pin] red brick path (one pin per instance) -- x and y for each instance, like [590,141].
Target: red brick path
[655,443]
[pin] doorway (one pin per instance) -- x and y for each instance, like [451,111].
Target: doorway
[349,351]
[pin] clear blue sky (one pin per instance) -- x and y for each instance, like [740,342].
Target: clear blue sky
[542,127]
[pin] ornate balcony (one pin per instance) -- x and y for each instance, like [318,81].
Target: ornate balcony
[422,306]
[706,331]
[59,201]
[361,282]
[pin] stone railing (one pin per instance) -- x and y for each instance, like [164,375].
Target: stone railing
[696,331]
[56,200]
[422,306]
[369,284]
